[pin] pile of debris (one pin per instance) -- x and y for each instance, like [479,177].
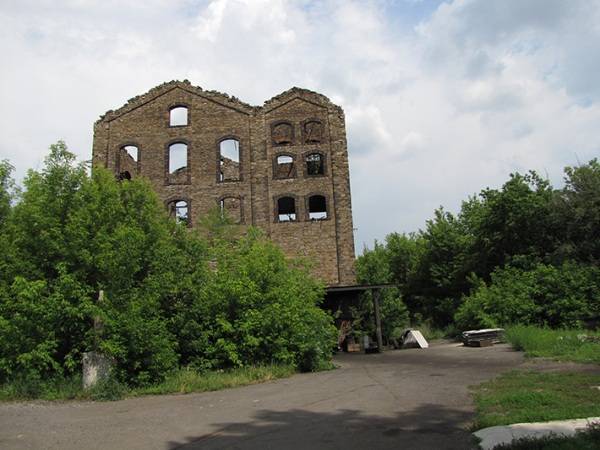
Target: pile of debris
[413,339]
[483,338]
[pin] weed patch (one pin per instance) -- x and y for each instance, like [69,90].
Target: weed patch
[564,345]
[523,396]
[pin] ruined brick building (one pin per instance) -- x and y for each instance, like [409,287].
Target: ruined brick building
[282,167]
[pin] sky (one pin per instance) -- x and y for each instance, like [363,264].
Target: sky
[442,98]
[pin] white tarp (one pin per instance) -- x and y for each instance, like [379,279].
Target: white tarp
[414,339]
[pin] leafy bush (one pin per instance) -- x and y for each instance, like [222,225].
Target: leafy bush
[257,308]
[172,297]
[545,295]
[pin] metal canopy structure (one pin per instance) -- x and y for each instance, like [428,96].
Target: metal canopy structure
[376,290]
[359,287]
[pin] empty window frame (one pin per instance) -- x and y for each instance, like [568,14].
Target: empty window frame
[313,131]
[284,167]
[178,116]
[128,161]
[315,164]
[229,160]
[282,133]
[286,209]
[178,157]
[180,211]
[231,209]
[124,176]
[317,207]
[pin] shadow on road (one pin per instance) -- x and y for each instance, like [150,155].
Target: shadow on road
[427,427]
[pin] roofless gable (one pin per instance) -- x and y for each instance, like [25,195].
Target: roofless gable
[294,93]
[219,98]
[158,91]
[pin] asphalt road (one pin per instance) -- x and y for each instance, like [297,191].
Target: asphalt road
[404,399]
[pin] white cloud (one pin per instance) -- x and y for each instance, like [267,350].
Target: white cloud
[435,111]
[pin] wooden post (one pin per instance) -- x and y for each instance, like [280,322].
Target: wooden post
[377,319]
[98,325]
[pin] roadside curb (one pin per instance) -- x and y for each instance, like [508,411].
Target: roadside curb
[505,434]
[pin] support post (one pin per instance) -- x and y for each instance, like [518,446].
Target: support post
[376,293]
[96,366]
[98,325]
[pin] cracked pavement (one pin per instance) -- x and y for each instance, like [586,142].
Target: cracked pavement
[403,399]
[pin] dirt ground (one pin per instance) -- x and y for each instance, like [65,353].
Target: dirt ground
[403,399]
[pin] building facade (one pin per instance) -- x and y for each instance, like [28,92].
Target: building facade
[282,167]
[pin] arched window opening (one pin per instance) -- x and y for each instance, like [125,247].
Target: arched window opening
[282,134]
[177,158]
[284,167]
[178,116]
[128,161]
[231,208]
[179,210]
[313,131]
[229,160]
[317,207]
[286,209]
[131,152]
[314,164]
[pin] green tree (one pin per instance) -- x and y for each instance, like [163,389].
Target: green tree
[7,190]
[579,213]
[441,275]
[515,221]
[72,237]
[39,219]
[374,267]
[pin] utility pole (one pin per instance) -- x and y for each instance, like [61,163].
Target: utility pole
[376,293]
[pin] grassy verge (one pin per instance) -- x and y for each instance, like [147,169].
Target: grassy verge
[523,396]
[186,381]
[564,345]
[584,440]
[180,382]
[431,333]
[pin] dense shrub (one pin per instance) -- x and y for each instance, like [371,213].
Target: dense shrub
[171,297]
[255,307]
[545,295]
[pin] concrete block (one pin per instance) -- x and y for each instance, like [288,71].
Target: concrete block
[96,367]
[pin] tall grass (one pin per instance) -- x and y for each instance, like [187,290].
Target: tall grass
[565,345]
[188,380]
[180,382]
[53,389]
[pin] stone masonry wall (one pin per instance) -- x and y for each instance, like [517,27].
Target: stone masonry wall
[294,124]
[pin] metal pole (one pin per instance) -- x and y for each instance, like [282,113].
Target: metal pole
[377,319]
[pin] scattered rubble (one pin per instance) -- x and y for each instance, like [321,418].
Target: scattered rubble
[483,338]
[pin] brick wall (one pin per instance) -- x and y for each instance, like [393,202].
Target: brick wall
[295,124]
